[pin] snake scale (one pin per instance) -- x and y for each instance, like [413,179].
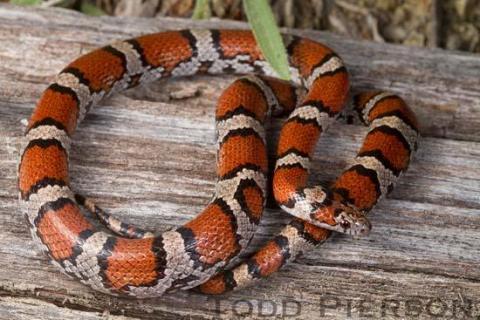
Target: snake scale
[133,262]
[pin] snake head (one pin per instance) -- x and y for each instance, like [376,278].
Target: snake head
[342,218]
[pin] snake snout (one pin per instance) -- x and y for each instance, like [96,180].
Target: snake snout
[351,221]
[362,227]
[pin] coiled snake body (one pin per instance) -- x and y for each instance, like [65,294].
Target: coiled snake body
[137,263]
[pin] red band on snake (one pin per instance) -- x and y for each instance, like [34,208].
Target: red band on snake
[140,264]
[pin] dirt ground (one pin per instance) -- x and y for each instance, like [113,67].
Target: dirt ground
[450,24]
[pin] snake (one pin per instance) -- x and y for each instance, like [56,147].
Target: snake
[129,261]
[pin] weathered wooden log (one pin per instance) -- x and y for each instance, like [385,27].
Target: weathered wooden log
[148,157]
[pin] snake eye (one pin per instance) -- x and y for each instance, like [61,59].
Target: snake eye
[345,224]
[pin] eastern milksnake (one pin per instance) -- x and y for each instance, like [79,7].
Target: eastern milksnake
[138,263]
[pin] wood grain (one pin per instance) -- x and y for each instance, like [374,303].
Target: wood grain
[148,157]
